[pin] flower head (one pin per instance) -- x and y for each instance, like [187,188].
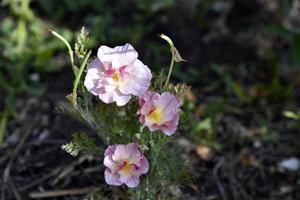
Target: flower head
[117,74]
[159,112]
[125,164]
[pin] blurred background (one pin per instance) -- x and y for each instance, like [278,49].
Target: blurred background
[242,133]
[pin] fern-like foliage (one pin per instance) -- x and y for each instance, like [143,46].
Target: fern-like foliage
[81,143]
[71,148]
[81,43]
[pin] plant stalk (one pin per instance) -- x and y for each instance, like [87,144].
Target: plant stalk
[71,53]
[170,71]
[77,79]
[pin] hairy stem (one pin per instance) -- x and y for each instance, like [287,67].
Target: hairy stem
[77,79]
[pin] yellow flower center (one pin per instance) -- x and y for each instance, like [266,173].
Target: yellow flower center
[116,76]
[155,115]
[127,167]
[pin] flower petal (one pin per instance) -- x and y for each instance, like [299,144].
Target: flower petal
[110,150]
[167,101]
[112,179]
[146,109]
[95,64]
[170,127]
[92,77]
[119,55]
[120,99]
[107,97]
[136,155]
[139,80]
[108,162]
[148,97]
[144,166]
[125,175]
[122,153]
[133,182]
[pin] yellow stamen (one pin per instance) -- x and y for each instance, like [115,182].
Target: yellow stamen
[127,167]
[116,76]
[155,115]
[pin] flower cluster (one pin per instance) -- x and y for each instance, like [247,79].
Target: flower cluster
[115,76]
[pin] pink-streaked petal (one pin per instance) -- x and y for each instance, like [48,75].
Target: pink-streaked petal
[110,72]
[144,166]
[167,101]
[132,182]
[146,109]
[142,119]
[113,166]
[95,64]
[168,115]
[92,77]
[107,97]
[169,130]
[148,97]
[125,176]
[91,85]
[122,153]
[174,121]
[125,73]
[139,80]
[108,85]
[171,126]
[141,71]
[110,150]
[148,122]
[112,179]
[118,56]
[120,99]
[152,127]
[136,154]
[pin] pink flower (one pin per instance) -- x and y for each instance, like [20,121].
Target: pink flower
[159,112]
[125,164]
[117,74]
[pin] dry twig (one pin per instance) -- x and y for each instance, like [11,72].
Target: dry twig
[59,193]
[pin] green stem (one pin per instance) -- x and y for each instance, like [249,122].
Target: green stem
[22,34]
[77,79]
[170,71]
[71,53]
[167,39]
